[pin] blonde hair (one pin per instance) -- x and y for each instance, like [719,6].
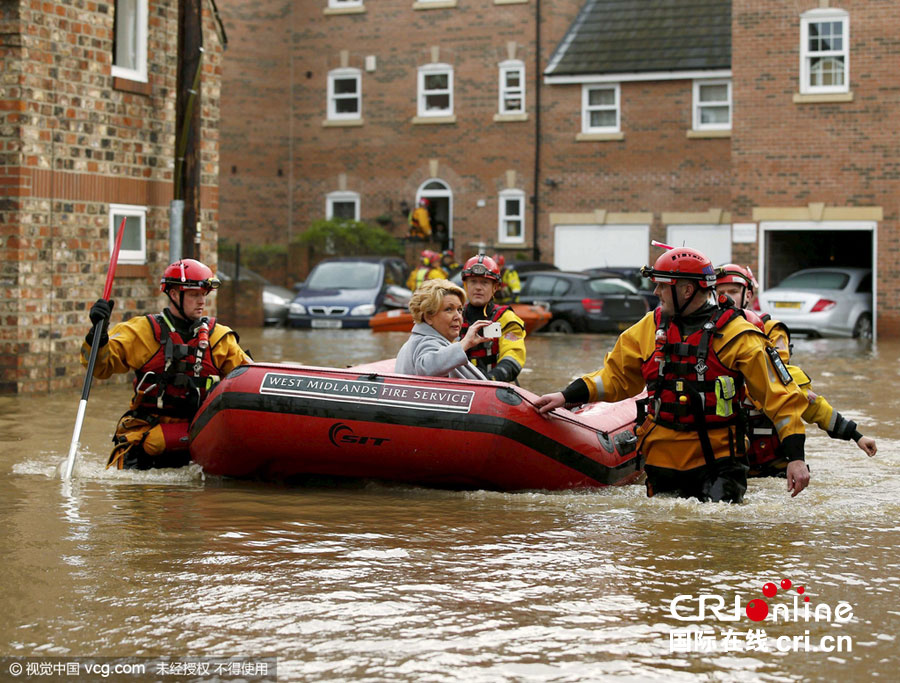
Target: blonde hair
[427,299]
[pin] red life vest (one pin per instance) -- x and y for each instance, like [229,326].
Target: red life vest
[178,376]
[682,377]
[485,355]
[763,447]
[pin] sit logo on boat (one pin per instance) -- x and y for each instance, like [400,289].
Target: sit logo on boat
[340,434]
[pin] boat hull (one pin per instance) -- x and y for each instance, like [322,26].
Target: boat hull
[275,422]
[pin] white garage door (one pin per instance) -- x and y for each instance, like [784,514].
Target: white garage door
[712,240]
[576,247]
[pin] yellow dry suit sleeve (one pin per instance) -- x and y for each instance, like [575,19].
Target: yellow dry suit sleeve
[131,344]
[745,351]
[512,339]
[621,377]
[227,353]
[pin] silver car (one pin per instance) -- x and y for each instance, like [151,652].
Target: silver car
[823,302]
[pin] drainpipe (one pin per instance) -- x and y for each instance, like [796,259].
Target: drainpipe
[535,202]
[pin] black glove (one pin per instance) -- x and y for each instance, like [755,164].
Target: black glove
[100,311]
[504,371]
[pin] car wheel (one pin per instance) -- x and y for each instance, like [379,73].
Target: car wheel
[863,327]
[560,325]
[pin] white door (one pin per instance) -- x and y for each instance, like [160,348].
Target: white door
[578,247]
[713,240]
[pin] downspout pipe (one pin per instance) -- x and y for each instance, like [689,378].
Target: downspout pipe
[535,197]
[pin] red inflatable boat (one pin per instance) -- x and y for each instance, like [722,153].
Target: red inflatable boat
[272,421]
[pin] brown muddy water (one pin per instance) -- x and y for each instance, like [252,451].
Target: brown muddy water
[372,582]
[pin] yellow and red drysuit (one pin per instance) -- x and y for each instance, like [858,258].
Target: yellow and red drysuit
[422,273]
[420,223]
[764,453]
[692,439]
[173,374]
[500,359]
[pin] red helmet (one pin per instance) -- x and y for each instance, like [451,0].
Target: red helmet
[481,266]
[424,202]
[682,263]
[188,274]
[733,274]
[429,257]
[500,259]
[448,252]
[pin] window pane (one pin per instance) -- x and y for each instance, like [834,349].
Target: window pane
[513,229]
[436,81]
[344,210]
[512,207]
[603,119]
[344,86]
[126,34]
[346,106]
[512,104]
[714,93]
[605,97]
[437,102]
[827,71]
[131,240]
[513,79]
[714,114]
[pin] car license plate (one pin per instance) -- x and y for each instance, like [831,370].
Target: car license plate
[788,304]
[328,324]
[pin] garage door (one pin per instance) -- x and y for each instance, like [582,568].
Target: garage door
[576,247]
[712,240]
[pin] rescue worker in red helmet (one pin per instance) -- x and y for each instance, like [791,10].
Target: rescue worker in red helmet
[764,453]
[449,263]
[420,221]
[696,359]
[500,358]
[429,269]
[177,356]
[510,285]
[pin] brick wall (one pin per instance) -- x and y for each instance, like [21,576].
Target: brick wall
[73,141]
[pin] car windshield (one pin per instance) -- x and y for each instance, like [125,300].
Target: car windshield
[345,275]
[611,285]
[823,279]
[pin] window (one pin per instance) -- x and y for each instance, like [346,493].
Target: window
[712,105]
[512,216]
[130,40]
[512,87]
[344,94]
[600,109]
[342,205]
[341,4]
[824,51]
[435,90]
[134,241]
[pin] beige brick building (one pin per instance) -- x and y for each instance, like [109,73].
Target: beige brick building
[87,136]
[575,131]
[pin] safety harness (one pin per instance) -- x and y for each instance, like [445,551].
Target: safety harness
[484,355]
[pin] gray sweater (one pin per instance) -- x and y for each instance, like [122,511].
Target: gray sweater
[427,352]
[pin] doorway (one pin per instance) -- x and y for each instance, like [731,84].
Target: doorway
[440,196]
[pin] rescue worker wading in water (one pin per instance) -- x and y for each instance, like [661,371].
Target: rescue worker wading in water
[177,357]
[696,359]
[500,359]
[764,454]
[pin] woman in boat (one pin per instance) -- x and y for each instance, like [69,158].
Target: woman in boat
[432,348]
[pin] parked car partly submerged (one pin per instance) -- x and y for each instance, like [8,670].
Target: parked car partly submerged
[584,303]
[275,299]
[347,291]
[823,301]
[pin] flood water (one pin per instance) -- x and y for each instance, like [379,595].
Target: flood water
[373,582]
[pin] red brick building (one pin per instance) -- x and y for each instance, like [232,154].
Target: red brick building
[575,131]
[87,136]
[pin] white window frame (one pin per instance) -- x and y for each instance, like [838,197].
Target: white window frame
[816,16]
[699,105]
[341,197]
[506,91]
[341,4]
[139,40]
[116,213]
[586,108]
[423,94]
[344,74]
[503,236]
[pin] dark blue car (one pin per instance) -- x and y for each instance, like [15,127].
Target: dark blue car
[347,291]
